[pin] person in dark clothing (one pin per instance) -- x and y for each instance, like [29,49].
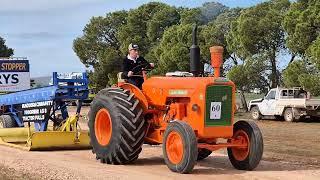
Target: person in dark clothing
[132,66]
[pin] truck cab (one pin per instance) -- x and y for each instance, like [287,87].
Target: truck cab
[288,103]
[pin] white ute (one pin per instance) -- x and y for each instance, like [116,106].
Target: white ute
[290,104]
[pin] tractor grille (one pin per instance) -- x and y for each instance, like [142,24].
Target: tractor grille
[218,106]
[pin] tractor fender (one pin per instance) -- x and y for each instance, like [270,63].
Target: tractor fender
[137,93]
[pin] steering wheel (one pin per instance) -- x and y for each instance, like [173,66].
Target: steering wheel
[142,67]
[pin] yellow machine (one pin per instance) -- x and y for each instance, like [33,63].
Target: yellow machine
[29,119]
[62,138]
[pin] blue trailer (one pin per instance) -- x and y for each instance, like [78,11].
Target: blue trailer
[25,115]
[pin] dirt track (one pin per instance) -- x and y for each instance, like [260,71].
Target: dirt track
[292,151]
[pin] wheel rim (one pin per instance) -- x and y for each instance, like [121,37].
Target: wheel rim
[288,116]
[241,154]
[103,127]
[255,114]
[174,147]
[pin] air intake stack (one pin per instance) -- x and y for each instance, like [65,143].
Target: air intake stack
[194,54]
[216,59]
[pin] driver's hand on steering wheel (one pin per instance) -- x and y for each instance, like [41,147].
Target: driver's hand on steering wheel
[152,65]
[130,73]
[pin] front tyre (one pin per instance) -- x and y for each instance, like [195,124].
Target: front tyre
[249,157]
[255,113]
[180,147]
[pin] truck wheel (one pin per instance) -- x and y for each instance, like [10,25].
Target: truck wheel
[246,158]
[289,116]
[6,121]
[203,153]
[255,113]
[180,147]
[116,126]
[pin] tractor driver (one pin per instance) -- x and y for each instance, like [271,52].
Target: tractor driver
[132,65]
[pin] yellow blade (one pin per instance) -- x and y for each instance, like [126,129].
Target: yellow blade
[57,140]
[22,146]
[14,134]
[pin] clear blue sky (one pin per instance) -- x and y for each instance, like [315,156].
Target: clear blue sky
[43,30]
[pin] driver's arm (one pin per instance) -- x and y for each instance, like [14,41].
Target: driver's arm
[148,65]
[125,69]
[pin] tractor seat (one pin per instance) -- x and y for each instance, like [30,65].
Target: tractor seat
[120,79]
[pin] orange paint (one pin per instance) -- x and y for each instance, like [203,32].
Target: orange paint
[216,59]
[103,127]
[165,99]
[174,147]
[137,93]
[241,153]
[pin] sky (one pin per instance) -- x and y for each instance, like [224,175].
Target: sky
[44,30]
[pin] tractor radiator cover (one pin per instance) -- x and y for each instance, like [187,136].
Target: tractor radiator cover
[218,105]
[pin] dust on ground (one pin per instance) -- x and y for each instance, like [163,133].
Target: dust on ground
[291,151]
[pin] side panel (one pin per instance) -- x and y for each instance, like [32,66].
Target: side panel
[218,105]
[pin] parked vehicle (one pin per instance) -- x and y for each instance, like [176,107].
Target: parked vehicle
[292,104]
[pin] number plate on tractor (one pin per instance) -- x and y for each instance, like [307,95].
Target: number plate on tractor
[215,110]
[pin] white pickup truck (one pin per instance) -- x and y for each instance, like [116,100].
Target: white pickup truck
[290,104]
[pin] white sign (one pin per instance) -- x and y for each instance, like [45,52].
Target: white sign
[14,75]
[215,110]
[10,81]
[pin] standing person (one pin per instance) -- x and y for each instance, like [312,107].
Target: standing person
[132,65]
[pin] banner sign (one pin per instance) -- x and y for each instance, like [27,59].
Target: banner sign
[36,111]
[14,75]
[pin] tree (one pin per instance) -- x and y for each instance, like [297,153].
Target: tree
[174,49]
[293,71]
[258,32]
[99,47]
[210,10]
[304,74]
[248,76]
[216,31]
[302,25]
[314,52]
[190,16]
[311,83]
[162,19]
[4,50]
[146,24]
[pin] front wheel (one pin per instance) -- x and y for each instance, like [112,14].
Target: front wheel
[180,147]
[249,157]
[255,113]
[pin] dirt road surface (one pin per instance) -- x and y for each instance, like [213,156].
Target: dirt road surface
[292,151]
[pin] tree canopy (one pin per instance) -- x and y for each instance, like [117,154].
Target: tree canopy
[255,40]
[4,50]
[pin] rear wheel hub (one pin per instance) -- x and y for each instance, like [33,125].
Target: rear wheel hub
[103,127]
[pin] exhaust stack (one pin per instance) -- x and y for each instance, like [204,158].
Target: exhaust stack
[194,54]
[216,59]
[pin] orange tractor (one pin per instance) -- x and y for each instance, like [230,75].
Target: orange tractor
[189,116]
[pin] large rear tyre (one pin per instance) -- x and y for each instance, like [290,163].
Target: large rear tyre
[246,158]
[203,153]
[180,147]
[116,126]
[6,121]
